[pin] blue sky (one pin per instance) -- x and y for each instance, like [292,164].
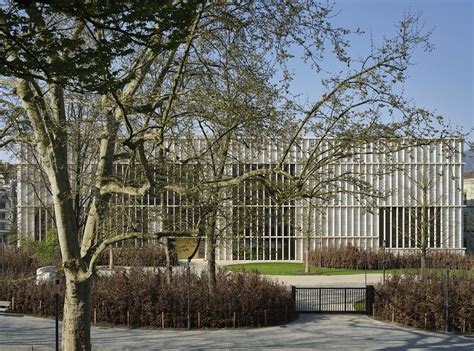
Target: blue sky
[442,80]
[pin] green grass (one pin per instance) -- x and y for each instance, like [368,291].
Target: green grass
[359,305]
[292,268]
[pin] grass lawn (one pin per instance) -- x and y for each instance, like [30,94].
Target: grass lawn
[359,305]
[293,268]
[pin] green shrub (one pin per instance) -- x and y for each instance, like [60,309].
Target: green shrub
[46,252]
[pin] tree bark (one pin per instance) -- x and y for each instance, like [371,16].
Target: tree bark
[77,314]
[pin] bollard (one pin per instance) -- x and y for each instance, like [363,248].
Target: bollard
[95,316]
[128,318]
[162,320]
[265,316]
[199,320]
[235,319]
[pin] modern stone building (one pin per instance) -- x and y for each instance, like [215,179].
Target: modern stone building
[7,200]
[255,227]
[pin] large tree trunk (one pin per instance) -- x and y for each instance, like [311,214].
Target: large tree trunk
[77,314]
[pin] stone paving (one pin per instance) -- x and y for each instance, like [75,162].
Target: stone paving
[309,332]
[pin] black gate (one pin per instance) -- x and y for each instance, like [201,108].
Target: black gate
[333,300]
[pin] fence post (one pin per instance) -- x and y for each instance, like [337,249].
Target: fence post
[369,299]
[293,296]
[345,300]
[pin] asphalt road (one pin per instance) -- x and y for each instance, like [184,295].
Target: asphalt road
[311,332]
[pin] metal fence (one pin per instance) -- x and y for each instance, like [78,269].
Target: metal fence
[334,300]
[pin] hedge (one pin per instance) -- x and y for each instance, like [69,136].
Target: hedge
[352,257]
[140,299]
[418,302]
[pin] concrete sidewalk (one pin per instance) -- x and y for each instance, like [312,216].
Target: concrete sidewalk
[351,281]
[309,332]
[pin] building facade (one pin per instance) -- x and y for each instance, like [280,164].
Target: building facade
[469,210]
[417,187]
[7,200]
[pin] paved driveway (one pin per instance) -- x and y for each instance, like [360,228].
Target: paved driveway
[323,332]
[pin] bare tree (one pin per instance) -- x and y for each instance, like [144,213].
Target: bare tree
[426,232]
[136,64]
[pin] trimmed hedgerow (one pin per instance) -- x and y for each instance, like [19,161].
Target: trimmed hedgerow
[141,299]
[418,302]
[18,262]
[352,257]
[23,262]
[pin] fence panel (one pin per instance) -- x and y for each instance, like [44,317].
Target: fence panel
[333,300]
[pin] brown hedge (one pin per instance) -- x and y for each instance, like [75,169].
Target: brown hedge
[17,262]
[141,299]
[352,257]
[138,256]
[418,302]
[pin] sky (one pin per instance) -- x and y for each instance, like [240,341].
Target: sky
[441,81]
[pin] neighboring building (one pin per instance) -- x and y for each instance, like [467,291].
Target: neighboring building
[469,210]
[256,228]
[7,200]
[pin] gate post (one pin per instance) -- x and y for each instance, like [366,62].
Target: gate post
[293,294]
[369,299]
